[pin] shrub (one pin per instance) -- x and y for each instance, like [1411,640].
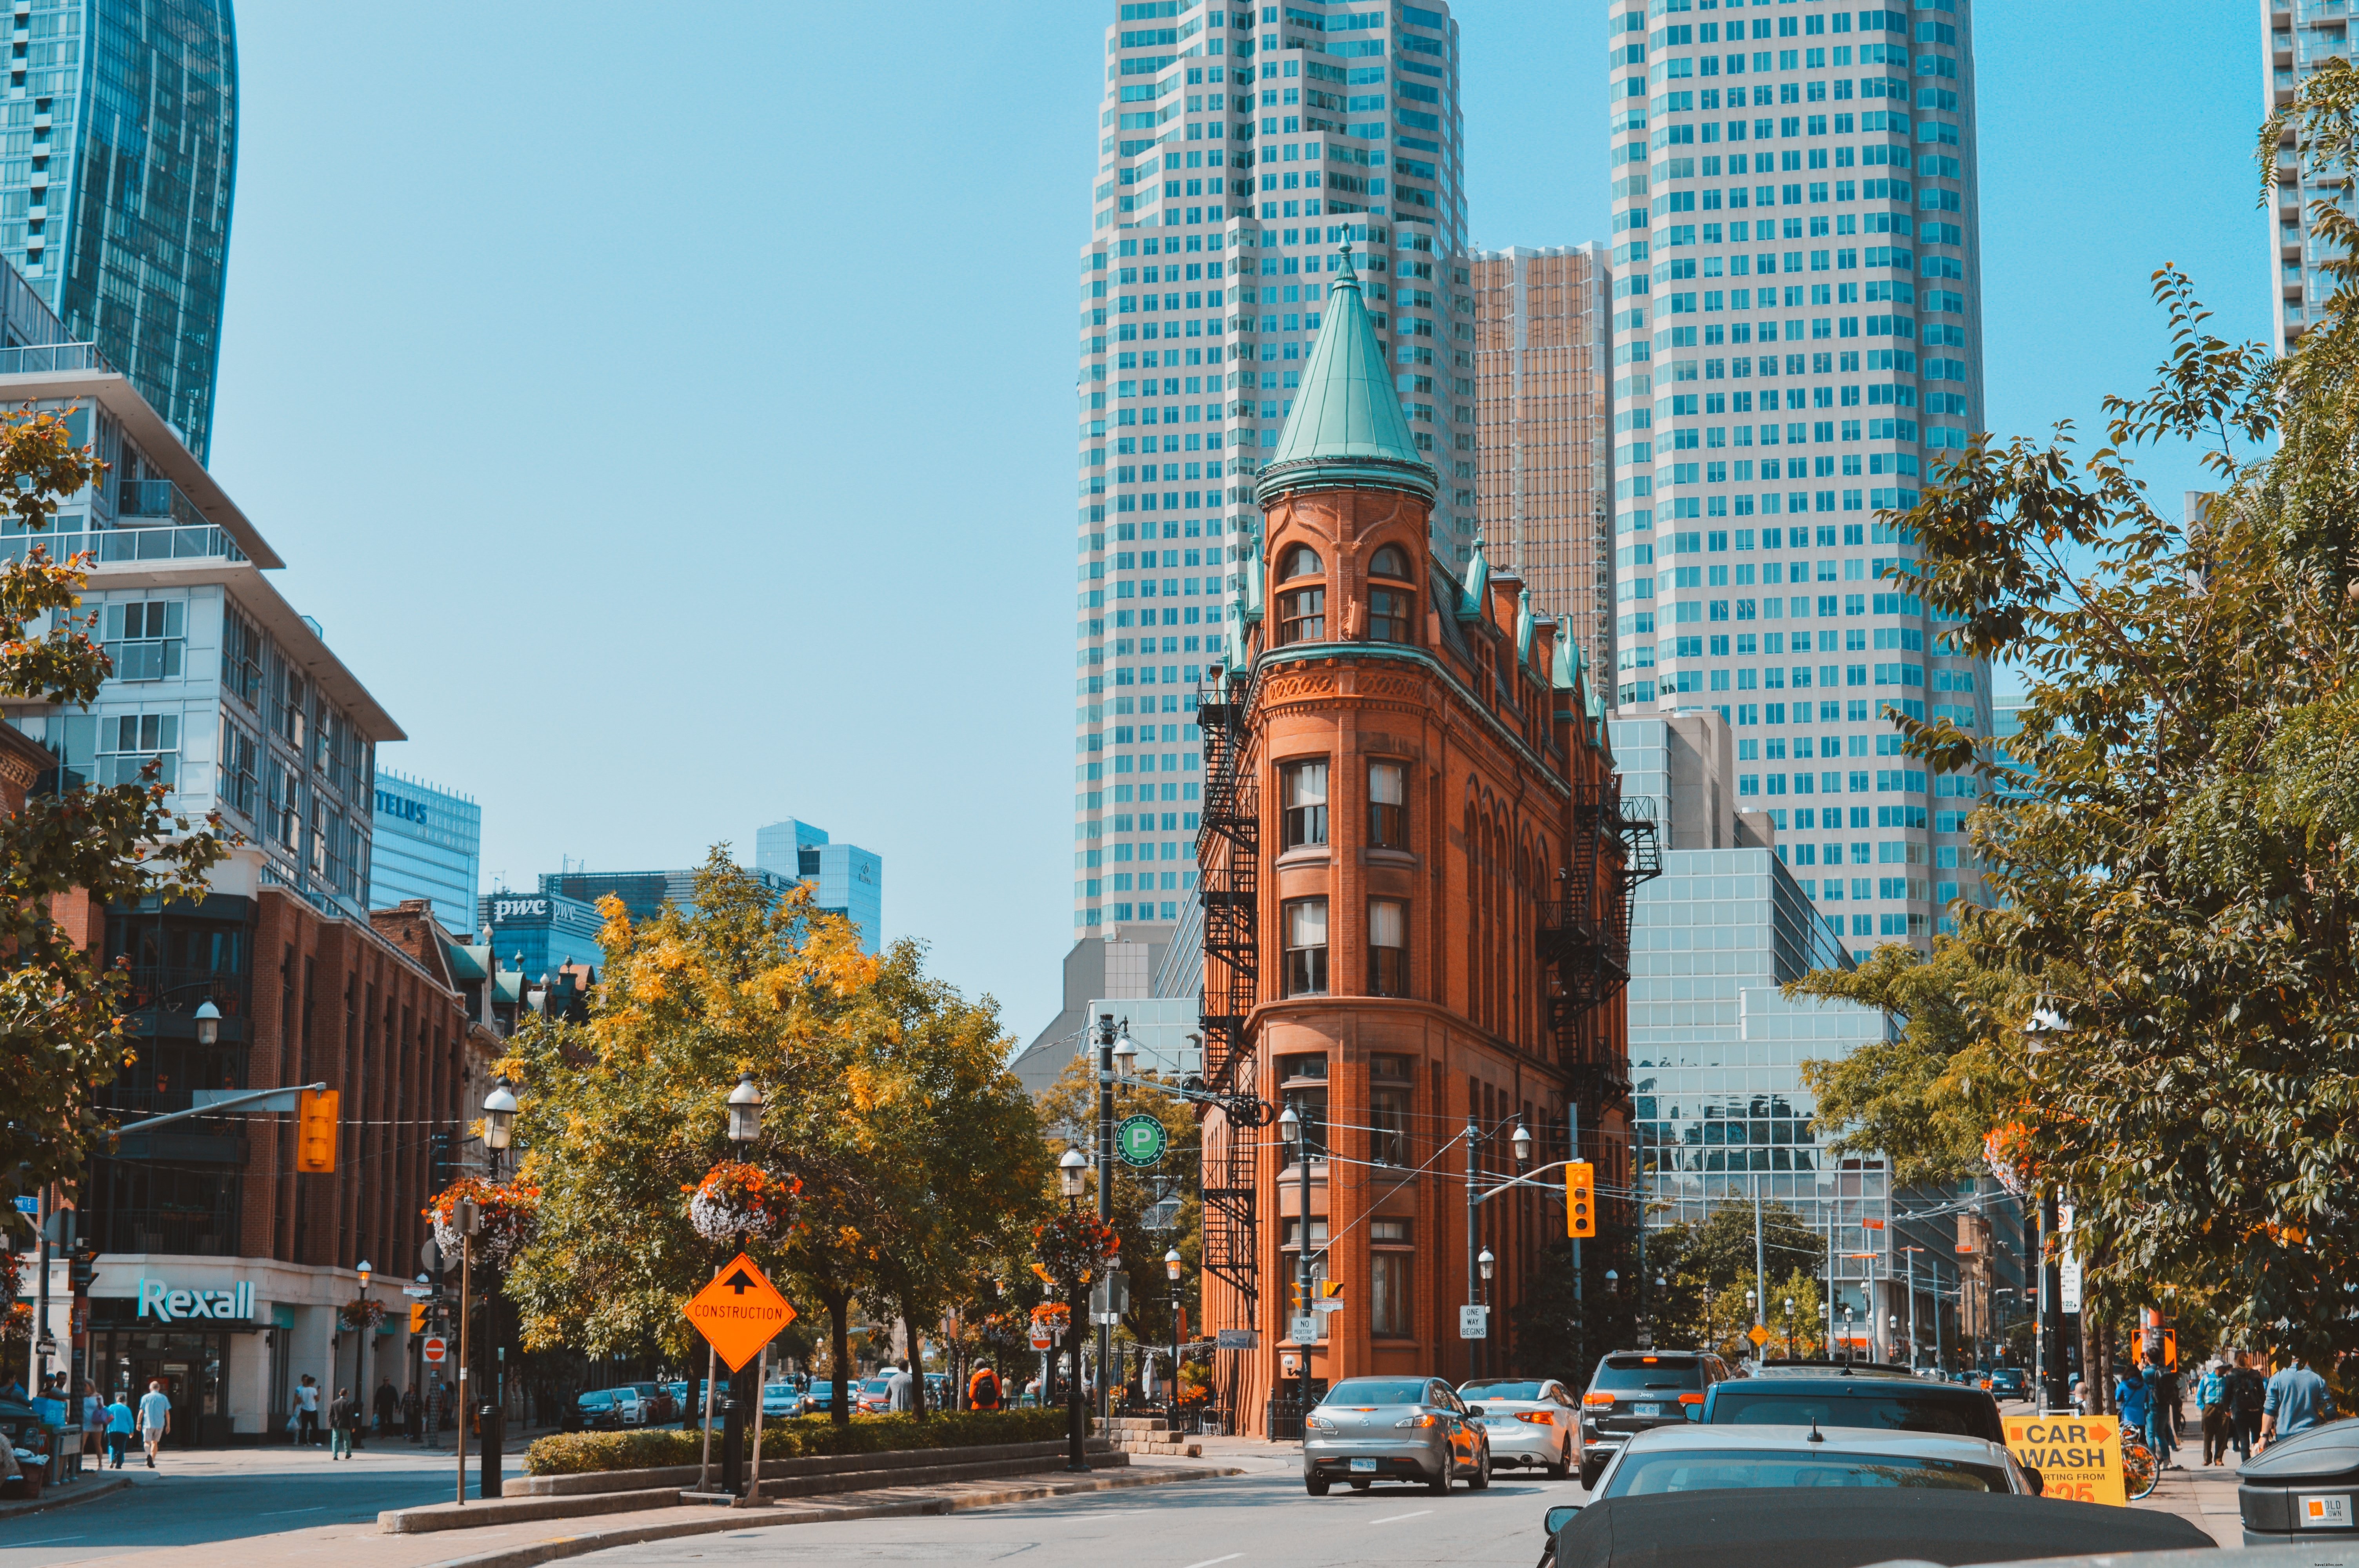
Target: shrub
[581,1453]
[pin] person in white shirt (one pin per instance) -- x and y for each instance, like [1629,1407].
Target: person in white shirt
[307,1411]
[155,1420]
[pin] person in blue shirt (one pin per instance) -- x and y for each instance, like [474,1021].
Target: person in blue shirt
[2161,1408]
[2211,1400]
[118,1431]
[2130,1398]
[2295,1401]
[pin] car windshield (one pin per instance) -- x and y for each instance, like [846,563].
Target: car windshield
[1500,1391]
[1646,1475]
[1636,1374]
[877,1385]
[1892,1412]
[1377,1391]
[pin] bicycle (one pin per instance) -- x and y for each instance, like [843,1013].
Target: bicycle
[2141,1471]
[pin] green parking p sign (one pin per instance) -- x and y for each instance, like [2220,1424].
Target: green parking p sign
[1140,1140]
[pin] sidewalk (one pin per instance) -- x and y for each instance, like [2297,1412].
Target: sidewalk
[2205,1498]
[359,1545]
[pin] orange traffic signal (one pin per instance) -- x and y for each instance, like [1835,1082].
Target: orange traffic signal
[1330,1290]
[417,1317]
[1580,1199]
[315,1132]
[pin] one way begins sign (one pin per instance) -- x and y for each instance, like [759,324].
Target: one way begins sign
[739,1312]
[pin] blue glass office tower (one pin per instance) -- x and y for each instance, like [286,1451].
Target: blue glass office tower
[428,844]
[116,170]
[851,880]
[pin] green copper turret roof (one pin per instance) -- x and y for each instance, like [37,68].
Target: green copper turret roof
[1347,430]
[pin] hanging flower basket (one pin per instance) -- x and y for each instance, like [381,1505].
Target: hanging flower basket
[2005,1150]
[360,1314]
[736,1200]
[1071,1249]
[507,1217]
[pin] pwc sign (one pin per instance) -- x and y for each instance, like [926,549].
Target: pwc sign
[2079,1458]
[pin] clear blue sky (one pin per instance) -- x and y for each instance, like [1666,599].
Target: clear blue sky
[668,413]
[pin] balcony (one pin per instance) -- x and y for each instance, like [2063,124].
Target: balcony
[48,359]
[150,543]
[157,499]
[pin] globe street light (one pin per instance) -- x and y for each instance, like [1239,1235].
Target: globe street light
[208,1019]
[1069,1178]
[1172,1262]
[359,1347]
[1521,1142]
[744,1113]
[499,1115]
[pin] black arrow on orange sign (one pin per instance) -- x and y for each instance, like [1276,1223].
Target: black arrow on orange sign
[739,1282]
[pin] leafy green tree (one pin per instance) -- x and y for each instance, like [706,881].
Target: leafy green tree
[61,1031]
[2178,878]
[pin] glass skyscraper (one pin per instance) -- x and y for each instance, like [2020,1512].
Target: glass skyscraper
[1239,147]
[2302,35]
[117,164]
[429,844]
[1797,286]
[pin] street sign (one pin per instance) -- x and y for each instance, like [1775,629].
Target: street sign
[1043,1337]
[1237,1340]
[739,1312]
[434,1349]
[1140,1140]
[2078,1458]
[1473,1322]
[1302,1328]
[28,1204]
[418,1292]
[1760,1336]
[430,1257]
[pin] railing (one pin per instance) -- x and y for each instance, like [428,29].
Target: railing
[121,547]
[156,498]
[36,359]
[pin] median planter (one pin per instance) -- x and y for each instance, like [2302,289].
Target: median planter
[580,1452]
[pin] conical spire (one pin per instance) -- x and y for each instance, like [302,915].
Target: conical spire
[1347,428]
[1478,582]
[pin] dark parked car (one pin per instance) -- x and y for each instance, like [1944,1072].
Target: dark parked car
[2009,1383]
[1887,1404]
[1634,1389]
[595,1411]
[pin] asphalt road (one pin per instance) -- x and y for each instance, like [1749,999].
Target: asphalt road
[194,1496]
[1241,1520]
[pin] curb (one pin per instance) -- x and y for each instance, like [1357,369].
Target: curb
[82,1492]
[723,1520]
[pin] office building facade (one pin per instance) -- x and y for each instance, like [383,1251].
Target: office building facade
[1797,308]
[2299,35]
[1542,418]
[116,185]
[427,843]
[845,879]
[1239,147]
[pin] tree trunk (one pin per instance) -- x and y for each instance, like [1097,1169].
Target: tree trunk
[839,1341]
[917,1358]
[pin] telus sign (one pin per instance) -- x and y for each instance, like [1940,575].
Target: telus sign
[158,1299]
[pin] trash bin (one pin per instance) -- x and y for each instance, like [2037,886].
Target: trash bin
[491,1426]
[2303,1487]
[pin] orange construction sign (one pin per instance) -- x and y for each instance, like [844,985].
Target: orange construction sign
[739,1312]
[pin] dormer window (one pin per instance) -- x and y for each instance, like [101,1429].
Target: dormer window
[1389,562]
[1301,561]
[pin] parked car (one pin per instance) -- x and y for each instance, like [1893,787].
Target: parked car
[873,1396]
[2008,1383]
[781,1398]
[820,1399]
[596,1410]
[1393,1429]
[657,1406]
[1716,1458]
[1532,1422]
[1634,1390]
[1888,1404]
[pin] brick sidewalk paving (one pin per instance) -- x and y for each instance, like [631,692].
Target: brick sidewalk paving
[2205,1498]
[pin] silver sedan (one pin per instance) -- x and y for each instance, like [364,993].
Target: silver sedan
[1533,1422]
[1393,1429]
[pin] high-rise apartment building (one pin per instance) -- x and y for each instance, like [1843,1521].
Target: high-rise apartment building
[1797,299]
[1239,147]
[1543,491]
[2301,34]
[117,174]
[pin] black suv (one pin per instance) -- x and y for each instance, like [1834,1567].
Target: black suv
[1634,1390]
[1883,1402]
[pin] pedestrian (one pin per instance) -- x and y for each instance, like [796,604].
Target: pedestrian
[2130,1398]
[154,1419]
[389,1407]
[93,1429]
[2218,1417]
[983,1388]
[344,1418]
[897,1387]
[2296,1400]
[438,1404]
[119,1421]
[307,1411]
[2247,1398]
[2161,1396]
[413,1414]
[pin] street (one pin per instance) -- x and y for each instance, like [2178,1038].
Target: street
[228,1494]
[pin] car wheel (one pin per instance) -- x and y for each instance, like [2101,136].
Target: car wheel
[1438,1483]
[1315,1484]
[1564,1465]
[1481,1480]
[1589,1473]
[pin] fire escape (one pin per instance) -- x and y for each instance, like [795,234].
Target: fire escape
[1584,937]
[1228,857]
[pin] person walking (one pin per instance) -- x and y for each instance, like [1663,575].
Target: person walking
[2245,1397]
[2211,1401]
[2161,1397]
[2130,1398]
[343,1416]
[307,1411]
[898,1398]
[412,1414]
[983,1388]
[119,1422]
[388,1407]
[154,1419]
[2296,1400]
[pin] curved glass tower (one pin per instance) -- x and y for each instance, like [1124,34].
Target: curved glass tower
[118,157]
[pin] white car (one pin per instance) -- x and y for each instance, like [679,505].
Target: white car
[1532,1422]
[1703,1458]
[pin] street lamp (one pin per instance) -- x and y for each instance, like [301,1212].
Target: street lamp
[208,1019]
[1070,1179]
[1125,1051]
[1750,1313]
[1172,1262]
[1521,1143]
[499,1115]
[1613,1281]
[2055,1396]
[745,1112]
[1483,1263]
[360,1347]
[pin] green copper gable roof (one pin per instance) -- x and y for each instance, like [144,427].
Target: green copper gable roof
[1347,430]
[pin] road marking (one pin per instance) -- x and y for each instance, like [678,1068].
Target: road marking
[1395,1519]
[53,1540]
[1208,1562]
[274,1513]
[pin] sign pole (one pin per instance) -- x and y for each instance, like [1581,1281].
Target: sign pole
[711,1369]
[761,1377]
[466,1261]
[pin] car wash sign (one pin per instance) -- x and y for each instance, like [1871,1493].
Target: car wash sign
[158,1299]
[2079,1458]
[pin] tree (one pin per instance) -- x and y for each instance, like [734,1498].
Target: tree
[2178,874]
[60,1034]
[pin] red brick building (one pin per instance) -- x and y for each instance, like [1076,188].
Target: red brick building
[1413,876]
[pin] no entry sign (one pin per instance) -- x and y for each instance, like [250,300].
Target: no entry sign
[434,1349]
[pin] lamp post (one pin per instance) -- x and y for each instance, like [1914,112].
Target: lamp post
[1751,1311]
[1289,1132]
[1483,1264]
[2056,1395]
[1071,1181]
[1789,1329]
[744,1108]
[1115,1045]
[359,1353]
[1172,1262]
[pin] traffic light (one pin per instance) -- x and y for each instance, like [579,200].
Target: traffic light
[1331,1290]
[1580,1199]
[1299,1295]
[315,1132]
[416,1317]
[83,1268]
